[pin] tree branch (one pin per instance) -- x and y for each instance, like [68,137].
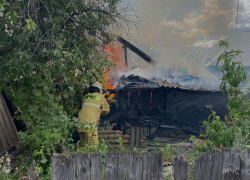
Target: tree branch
[6,49]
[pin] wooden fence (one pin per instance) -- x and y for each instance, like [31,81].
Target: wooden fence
[117,166]
[228,164]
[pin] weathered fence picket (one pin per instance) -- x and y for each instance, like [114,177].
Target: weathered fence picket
[133,166]
[96,166]
[245,166]
[32,174]
[63,167]
[83,166]
[118,166]
[114,166]
[180,168]
[152,166]
[229,164]
[217,165]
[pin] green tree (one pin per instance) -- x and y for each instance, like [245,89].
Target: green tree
[234,132]
[49,51]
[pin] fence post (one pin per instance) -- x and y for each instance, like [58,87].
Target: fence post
[83,166]
[133,166]
[138,136]
[96,166]
[63,167]
[152,166]
[132,137]
[219,165]
[231,164]
[114,166]
[32,174]
[160,165]
[180,168]
[245,171]
[111,166]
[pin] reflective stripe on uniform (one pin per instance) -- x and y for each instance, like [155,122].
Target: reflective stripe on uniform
[91,104]
[90,127]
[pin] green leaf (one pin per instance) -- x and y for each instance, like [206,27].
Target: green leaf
[37,92]
[44,160]
[2,7]
[66,95]
[31,25]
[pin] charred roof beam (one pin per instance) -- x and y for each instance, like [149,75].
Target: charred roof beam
[135,50]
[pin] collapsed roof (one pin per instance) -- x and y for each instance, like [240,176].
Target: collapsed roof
[138,82]
[187,82]
[156,103]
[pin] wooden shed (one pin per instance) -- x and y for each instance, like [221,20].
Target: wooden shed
[8,133]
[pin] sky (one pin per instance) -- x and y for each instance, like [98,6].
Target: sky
[183,28]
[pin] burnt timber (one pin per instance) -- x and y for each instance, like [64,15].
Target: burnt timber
[165,106]
[140,53]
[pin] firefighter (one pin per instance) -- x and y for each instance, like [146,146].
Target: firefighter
[94,105]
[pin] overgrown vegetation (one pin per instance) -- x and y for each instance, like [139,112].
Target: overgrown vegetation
[48,51]
[234,132]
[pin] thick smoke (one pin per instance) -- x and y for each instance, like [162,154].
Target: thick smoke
[174,32]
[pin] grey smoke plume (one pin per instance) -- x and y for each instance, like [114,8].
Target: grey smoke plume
[174,32]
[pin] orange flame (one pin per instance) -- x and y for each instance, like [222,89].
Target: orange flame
[115,54]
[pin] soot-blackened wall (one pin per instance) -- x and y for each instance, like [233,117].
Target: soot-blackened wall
[166,108]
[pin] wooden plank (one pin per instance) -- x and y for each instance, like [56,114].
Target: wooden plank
[115,166]
[145,166]
[5,130]
[132,137]
[202,167]
[63,167]
[10,123]
[245,170]
[133,166]
[137,136]
[180,167]
[3,138]
[96,166]
[111,166]
[154,166]
[217,166]
[83,166]
[208,165]
[231,164]
[160,165]
[121,166]
[32,174]
[6,122]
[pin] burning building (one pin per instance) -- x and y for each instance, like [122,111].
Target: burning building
[156,103]
[160,106]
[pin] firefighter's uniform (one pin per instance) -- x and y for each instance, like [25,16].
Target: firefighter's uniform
[94,105]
